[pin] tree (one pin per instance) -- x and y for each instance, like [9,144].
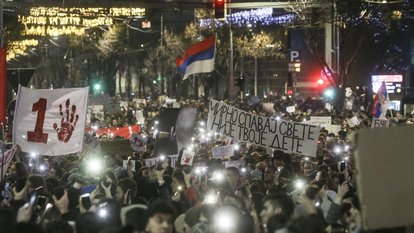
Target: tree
[356,22]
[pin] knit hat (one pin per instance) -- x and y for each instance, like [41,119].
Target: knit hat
[191,216]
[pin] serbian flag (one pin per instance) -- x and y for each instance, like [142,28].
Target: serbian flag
[380,105]
[198,59]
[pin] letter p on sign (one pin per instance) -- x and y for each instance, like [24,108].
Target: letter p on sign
[294,55]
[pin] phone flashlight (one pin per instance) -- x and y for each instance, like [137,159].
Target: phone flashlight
[42,167]
[243,170]
[337,150]
[218,176]
[179,188]
[162,157]
[103,213]
[300,184]
[210,199]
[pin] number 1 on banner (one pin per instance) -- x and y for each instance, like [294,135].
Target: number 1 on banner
[37,135]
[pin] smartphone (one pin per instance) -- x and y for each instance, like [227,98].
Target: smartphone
[341,166]
[86,201]
[32,200]
[7,188]
[41,201]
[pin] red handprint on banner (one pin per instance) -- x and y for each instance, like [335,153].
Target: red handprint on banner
[68,122]
[187,159]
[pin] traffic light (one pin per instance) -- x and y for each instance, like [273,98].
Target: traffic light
[219,9]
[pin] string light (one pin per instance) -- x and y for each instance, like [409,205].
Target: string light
[54,21]
[257,17]
[19,47]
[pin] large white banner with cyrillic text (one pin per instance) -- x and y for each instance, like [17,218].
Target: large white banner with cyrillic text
[50,122]
[288,136]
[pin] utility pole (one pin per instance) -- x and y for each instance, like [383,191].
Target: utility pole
[3,77]
[159,63]
[231,81]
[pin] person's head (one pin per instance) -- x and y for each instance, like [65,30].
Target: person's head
[60,226]
[278,157]
[126,191]
[108,211]
[236,201]
[307,168]
[6,220]
[133,215]
[232,176]
[269,174]
[277,204]
[143,172]
[88,223]
[160,217]
[36,182]
[276,222]
[284,177]
[306,224]
[178,180]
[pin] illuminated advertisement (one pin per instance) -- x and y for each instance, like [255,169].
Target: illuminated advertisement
[391,81]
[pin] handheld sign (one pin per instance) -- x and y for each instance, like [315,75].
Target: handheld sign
[223,151]
[50,122]
[380,123]
[187,158]
[288,136]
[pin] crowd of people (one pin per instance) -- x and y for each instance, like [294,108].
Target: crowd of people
[267,192]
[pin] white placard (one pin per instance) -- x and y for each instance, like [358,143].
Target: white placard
[268,107]
[139,115]
[50,122]
[223,152]
[321,121]
[125,164]
[288,136]
[236,163]
[291,109]
[187,158]
[380,123]
[353,122]
[91,144]
[138,142]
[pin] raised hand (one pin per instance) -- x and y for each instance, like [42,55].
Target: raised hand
[67,123]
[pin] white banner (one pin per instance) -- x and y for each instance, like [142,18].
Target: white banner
[50,122]
[291,137]
[380,123]
[153,161]
[223,151]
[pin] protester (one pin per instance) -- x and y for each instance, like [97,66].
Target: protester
[251,190]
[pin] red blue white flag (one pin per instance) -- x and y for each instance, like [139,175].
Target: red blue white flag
[199,58]
[380,105]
